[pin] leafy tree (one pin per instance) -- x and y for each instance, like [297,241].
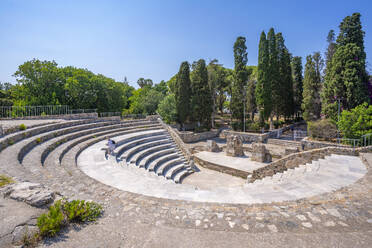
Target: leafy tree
[144,82]
[201,100]
[240,79]
[263,87]
[167,109]
[183,93]
[312,83]
[297,83]
[346,77]
[161,87]
[145,101]
[41,80]
[217,83]
[251,91]
[356,122]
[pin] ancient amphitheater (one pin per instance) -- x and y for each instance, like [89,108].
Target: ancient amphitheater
[154,196]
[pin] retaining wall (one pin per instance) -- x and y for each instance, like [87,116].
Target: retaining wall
[297,159]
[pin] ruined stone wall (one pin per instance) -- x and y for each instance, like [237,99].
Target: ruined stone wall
[296,159]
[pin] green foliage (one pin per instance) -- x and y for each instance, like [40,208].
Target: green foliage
[324,129]
[183,93]
[273,72]
[38,140]
[297,83]
[4,180]
[144,82]
[263,87]
[201,99]
[50,223]
[81,211]
[167,109]
[312,83]
[357,122]
[346,76]
[22,127]
[240,78]
[44,83]
[144,101]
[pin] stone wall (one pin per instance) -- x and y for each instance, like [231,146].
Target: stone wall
[296,159]
[246,137]
[179,142]
[191,137]
[313,144]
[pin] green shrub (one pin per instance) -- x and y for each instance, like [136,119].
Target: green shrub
[357,122]
[49,224]
[81,211]
[10,142]
[38,140]
[22,127]
[322,129]
[167,109]
[4,180]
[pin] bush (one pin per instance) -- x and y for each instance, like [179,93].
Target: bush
[81,211]
[50,223]
[22,127]
[62,212]
[167,109]
[357,122]
[322,129]
[38,140]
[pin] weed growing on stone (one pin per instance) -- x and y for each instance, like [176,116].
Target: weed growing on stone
[4,180]
[38,140]
[50,223]
[10,142]
[22,127]
[81,211]
[63,212]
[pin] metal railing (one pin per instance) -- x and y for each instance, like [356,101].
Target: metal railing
[365,140]
[109,114]
[46,110]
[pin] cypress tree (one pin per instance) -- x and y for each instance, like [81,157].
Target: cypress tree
[346,76]
[263,87]
[297,83]
[240,79]
[202,103]
[273,73]
[311,98]
[183,93]
[284,81]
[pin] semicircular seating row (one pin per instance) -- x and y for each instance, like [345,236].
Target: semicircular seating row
[43,153]
[154,151]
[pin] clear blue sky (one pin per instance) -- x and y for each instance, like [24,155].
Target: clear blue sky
[151,38]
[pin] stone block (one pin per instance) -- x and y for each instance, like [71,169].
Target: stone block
[33,194]
[212,146]
[260,153]
[234,146]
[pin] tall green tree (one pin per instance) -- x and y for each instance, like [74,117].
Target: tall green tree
[217,82]
[183,93]
[346,79]
[240,79]
[331,48]
[284,81]
[311,105]
[273,74]
[263,87]
[297,83]
[201,100]
[251,105]
[144,82]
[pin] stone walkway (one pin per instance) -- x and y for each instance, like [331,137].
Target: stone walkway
[321,176]
[339,219]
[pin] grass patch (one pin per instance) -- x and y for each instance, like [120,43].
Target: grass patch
[64,212]
[4,180]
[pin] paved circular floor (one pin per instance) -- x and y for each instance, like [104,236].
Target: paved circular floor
[334,172]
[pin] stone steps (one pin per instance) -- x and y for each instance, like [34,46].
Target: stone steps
[166,165]
[95,132]
[137,158]
[134,150]
[41,138]
[157,155]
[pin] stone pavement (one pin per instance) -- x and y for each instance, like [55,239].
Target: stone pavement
[338,219]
